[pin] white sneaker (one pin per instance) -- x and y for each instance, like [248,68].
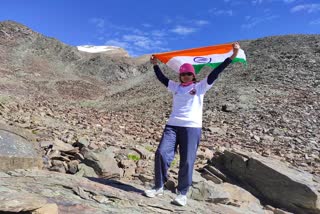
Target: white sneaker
[180,200]
[153,192]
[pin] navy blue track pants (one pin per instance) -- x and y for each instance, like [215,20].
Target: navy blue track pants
[188,139]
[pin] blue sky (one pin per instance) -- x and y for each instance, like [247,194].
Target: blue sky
[144,27]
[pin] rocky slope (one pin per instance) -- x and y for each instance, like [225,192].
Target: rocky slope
[44,66]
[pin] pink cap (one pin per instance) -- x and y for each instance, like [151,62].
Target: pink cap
[187,67]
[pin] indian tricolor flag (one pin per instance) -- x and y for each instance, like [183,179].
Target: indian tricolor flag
[205,56]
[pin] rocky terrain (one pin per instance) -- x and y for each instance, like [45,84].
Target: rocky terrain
[101,116]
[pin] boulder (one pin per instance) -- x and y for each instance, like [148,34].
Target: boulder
[272,181]
[16,151]
[225,193]
[73,194]
[102,162]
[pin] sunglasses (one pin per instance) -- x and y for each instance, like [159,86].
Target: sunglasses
[186,74]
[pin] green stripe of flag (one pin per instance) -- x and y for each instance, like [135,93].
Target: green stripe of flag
[198,67]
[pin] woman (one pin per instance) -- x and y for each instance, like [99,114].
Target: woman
[184,125]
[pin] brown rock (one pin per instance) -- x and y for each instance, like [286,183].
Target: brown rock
[102,162]
[143,152]
[61,146]
[279,211]
[217,172]
[13,201]
[16,152]
[73,166]
[47,209]
[291,188]
[171,185]
[210,176]
[145,178]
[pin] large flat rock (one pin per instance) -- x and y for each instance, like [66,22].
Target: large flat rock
[273,181]
[16,152]
[73,194]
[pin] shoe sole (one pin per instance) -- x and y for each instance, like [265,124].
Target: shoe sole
[152,196]
[177,203]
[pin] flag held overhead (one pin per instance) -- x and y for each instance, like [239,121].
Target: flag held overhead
[211,56]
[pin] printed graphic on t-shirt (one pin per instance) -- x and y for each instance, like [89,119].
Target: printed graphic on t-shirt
[193,91]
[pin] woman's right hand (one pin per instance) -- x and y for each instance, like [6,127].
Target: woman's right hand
[153,60]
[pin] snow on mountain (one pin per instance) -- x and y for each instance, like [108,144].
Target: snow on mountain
[97,49]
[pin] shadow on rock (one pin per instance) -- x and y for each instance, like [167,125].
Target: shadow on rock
[116,184]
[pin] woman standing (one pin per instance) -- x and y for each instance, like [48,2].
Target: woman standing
[184,125]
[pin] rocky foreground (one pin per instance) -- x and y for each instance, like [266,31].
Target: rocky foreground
[100,185]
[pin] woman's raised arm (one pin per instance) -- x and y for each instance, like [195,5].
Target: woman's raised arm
[215,72]
[161,77]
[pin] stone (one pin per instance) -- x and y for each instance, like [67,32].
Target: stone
[73,166]
[80,192]
[129,172]
[228,107]
[217,130]
[127,164]
[129,167]
[271,208]
[280,211]
[210,176]
[101,199]
[60,169]
[17,153]
[208,154]
[86,171]
[217,172]
[171,185]
[61,146]
[142,163]
[93,146]
[145,178]
[82,142]
[197,178]
[45,144]
[47,209]
[14,201]
[143,152]
[102,162]
[272,180]
[225,193]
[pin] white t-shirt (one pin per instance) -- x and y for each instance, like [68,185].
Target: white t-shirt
[187,103]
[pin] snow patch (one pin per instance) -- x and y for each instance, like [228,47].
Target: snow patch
[96,49]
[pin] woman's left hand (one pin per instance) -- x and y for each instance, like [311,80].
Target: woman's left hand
[236,46]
